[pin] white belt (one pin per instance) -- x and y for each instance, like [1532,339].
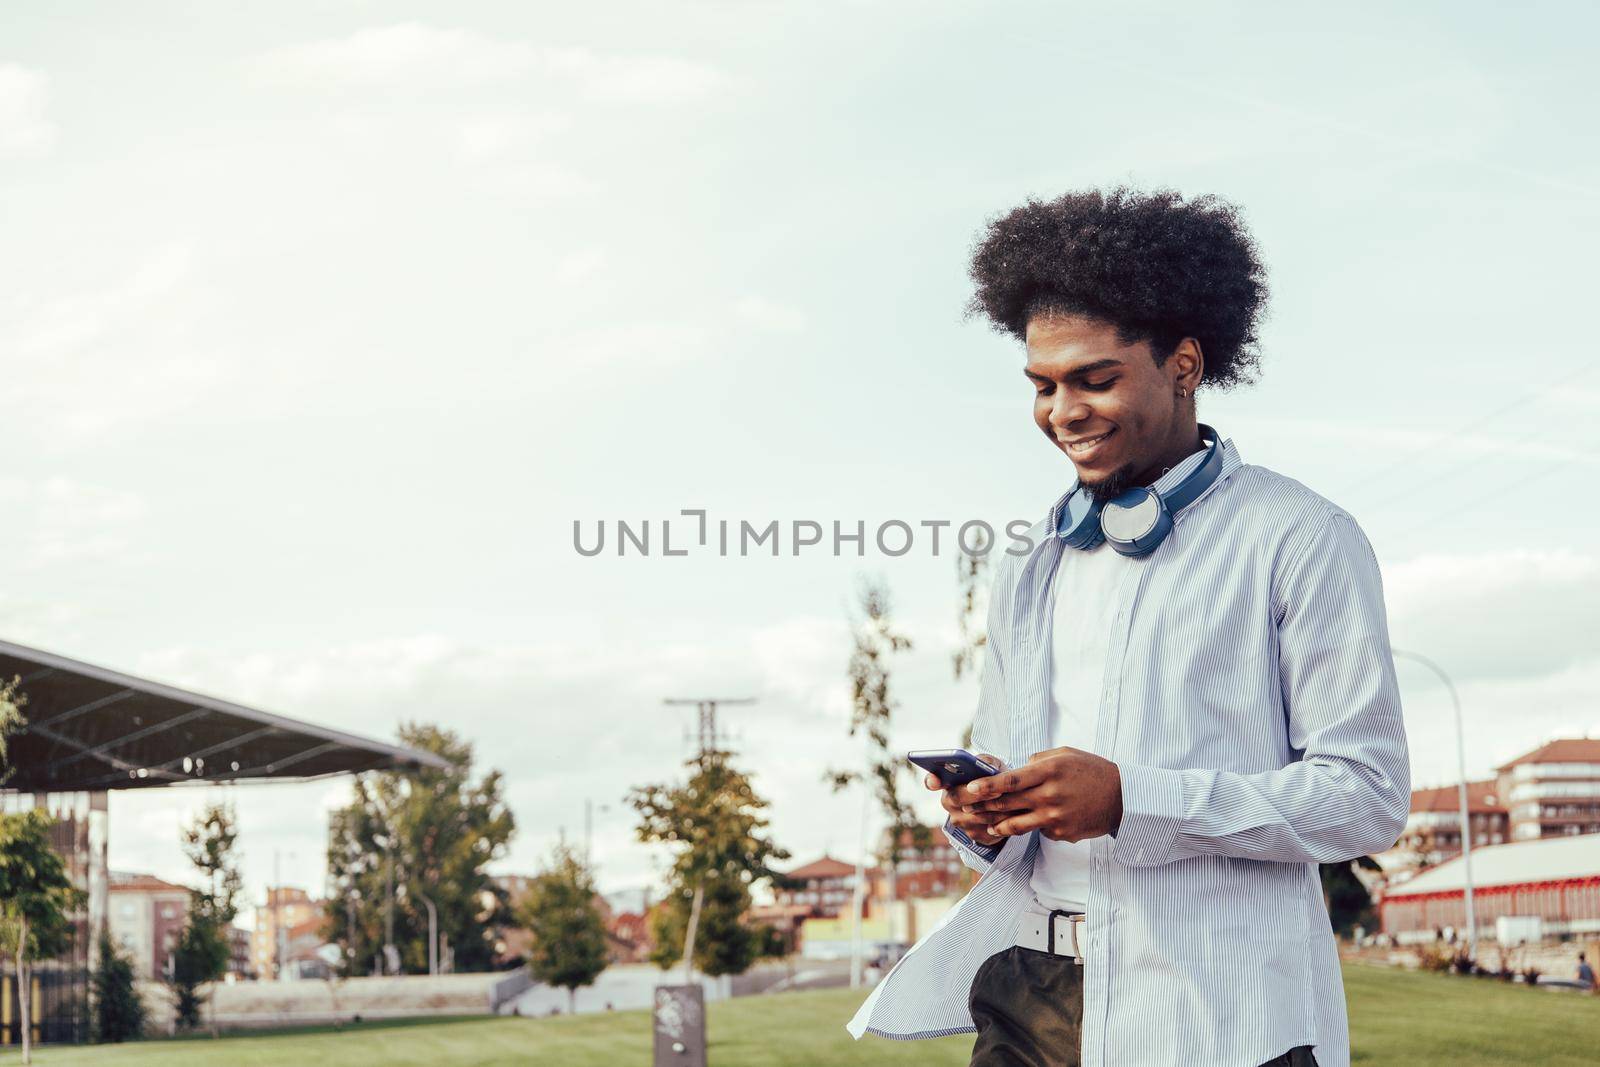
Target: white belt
[1059,933]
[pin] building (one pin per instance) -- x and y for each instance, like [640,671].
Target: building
[786,920]
[295,912]
[300,944]
[629,938]
[931,868]
[1555,880]
[1554,790]
[146,917]
[1433,829]
[823,887]
[240,965]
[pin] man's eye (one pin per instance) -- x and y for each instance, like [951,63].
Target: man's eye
[1100,387]
[1043,392]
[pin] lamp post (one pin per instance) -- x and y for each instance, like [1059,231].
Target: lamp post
[1461,789]
[433,934]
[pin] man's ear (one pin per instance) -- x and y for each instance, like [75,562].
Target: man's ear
[1187,365]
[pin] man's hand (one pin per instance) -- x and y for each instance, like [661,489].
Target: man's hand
[958,802]
[1064,793]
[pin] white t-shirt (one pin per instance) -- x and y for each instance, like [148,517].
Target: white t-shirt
[1084,603]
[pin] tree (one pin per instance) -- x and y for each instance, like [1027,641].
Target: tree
[569,935]
[970,612]
[871,712]
[714,825]
[203,949]
[37,900]
[404,835]
[12,701]
[1349,902]
[118,1009]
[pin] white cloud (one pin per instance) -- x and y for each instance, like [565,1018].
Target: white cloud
[582,264]
[107,355]
[58,520]
[487,138]
[634,78]
[25,132]
[766,314]
[1502,614]
[409,54]
[565,724]
[414,56]
[655,344]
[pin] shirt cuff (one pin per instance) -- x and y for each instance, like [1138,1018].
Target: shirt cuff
[987,853]
[1152,809]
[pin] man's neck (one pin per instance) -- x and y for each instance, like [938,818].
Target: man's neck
[1184,445]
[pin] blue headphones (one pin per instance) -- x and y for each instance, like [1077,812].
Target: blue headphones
[1136,521]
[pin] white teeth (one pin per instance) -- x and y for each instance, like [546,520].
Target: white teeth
[1084,446]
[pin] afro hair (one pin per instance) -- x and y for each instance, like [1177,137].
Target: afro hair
[1157,267]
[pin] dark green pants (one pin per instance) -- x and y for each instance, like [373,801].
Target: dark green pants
[1028,1007]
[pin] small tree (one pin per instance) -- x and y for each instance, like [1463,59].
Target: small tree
[716,826]
[569,936]
[118,1009]
[970,610]
[871,712]
[12,701]
[37,900]
[1349,903]
[203,949]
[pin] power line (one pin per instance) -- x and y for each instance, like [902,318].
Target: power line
[1477,500]
[707,706]
[1470,427]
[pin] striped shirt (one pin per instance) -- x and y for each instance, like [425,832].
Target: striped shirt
[1250,703]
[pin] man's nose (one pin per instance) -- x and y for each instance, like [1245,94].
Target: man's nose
[1068,409]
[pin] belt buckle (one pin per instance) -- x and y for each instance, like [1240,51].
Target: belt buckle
[1050,931]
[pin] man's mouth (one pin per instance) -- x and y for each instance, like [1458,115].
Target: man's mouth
[1085,447]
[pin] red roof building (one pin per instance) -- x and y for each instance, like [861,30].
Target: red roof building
[928,867]
[825,888]
[1433,829]
[1553,791]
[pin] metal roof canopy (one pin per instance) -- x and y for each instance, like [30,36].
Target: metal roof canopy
[91,728]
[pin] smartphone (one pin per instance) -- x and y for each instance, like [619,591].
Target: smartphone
[952,766]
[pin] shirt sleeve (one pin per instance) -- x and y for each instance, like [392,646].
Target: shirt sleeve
[1349,793]
[990,723]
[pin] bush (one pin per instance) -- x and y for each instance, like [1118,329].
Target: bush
[118,1010]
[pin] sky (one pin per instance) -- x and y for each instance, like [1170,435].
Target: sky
[323,323]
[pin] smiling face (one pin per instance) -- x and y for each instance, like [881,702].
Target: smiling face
[1116,415]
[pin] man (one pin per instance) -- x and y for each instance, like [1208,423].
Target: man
[1585,974]
[1189,684]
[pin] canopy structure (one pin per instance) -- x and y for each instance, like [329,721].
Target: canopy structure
[90,728]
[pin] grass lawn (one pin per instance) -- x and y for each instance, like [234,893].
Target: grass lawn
[1398,1019]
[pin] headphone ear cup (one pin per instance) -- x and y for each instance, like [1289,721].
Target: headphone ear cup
[1079,525]
[1136,522]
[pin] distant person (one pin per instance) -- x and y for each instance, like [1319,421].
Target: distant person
[1585,973]
[1187,676]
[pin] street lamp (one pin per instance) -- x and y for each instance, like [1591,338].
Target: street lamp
[1461,789]
[433,935]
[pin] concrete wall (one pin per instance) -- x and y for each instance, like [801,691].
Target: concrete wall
[248,1005]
